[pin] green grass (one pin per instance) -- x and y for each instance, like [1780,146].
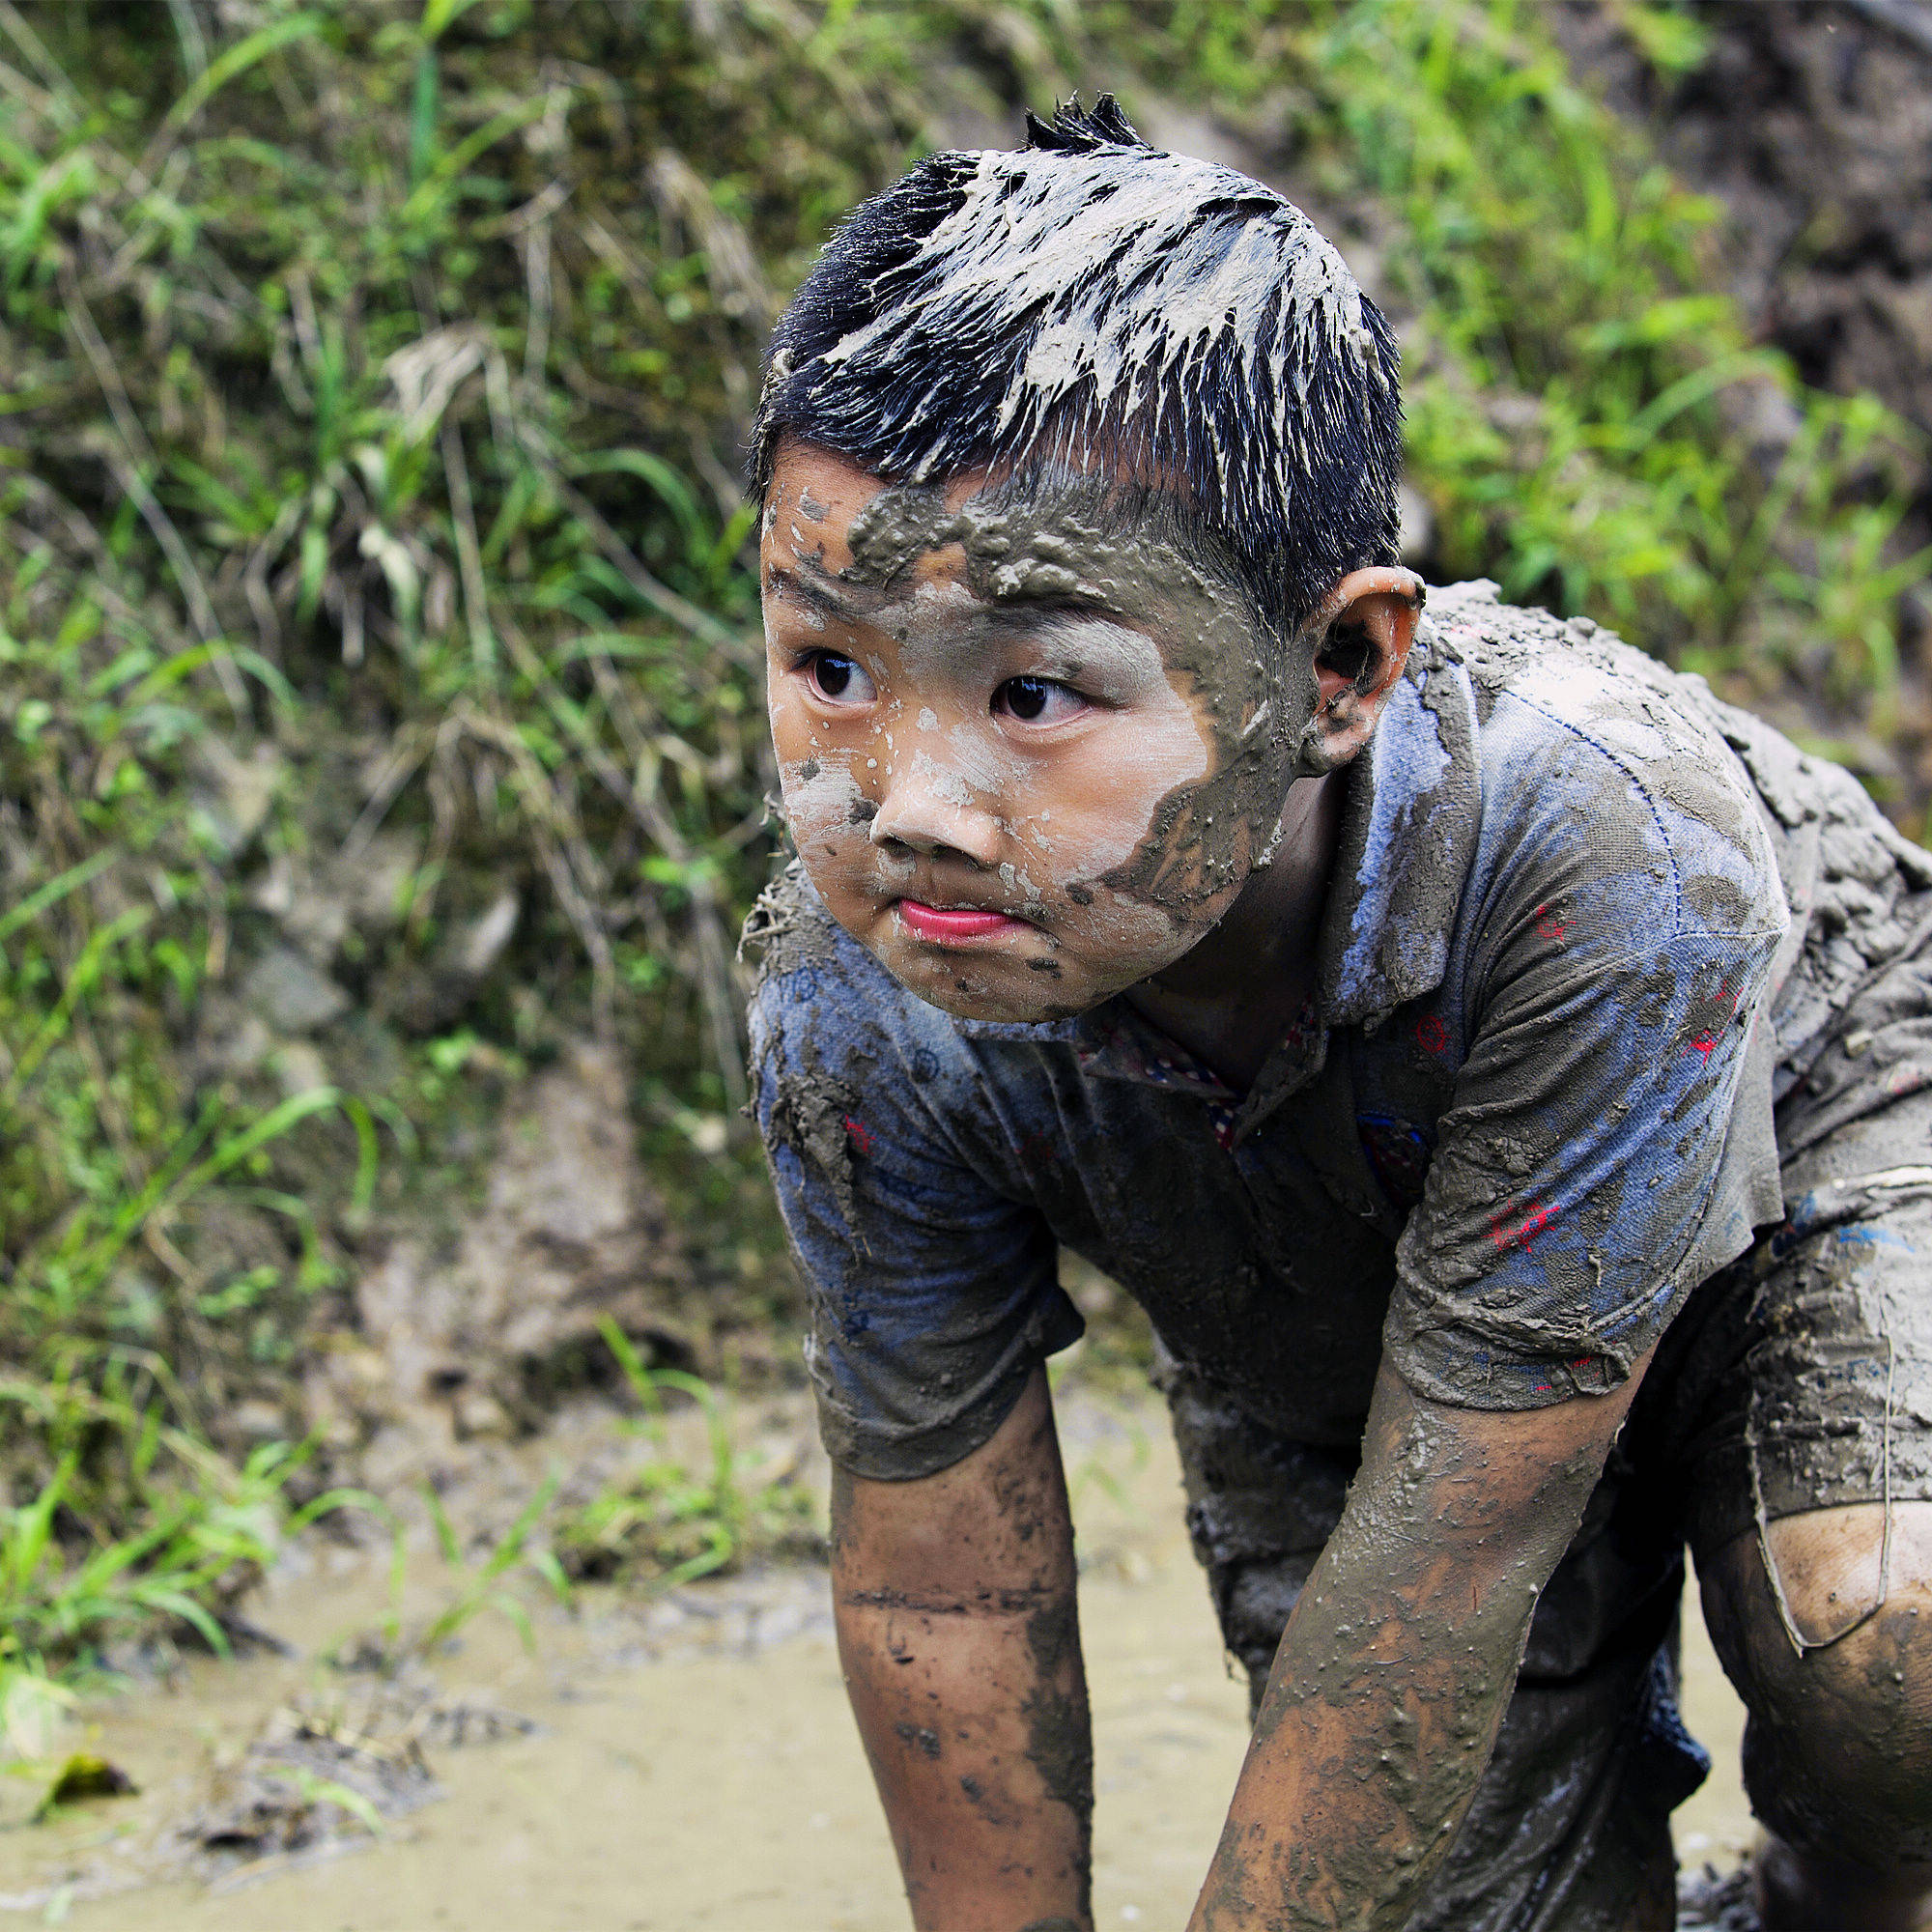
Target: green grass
[674,1521]
[372,382]
[158,1530]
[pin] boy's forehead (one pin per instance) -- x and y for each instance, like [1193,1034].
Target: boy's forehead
[1049,541]
[824,491]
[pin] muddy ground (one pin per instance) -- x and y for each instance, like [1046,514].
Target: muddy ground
[670,1760]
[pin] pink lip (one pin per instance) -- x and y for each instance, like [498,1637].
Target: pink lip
[949,925]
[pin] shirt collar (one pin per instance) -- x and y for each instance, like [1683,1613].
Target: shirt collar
[1409,827]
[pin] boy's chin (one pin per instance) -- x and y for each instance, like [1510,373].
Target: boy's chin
[968,991]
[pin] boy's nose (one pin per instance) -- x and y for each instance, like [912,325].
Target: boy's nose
[918,813]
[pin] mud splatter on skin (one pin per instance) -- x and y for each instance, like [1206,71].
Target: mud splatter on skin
[1156,825]
[1060,1742]
[961,1650]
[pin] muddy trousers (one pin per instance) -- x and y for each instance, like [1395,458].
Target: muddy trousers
[1797,1379]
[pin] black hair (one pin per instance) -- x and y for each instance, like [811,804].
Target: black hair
[1090,301]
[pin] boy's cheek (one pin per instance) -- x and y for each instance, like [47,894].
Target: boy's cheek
[824,802]
[1098,819]
[1136,936]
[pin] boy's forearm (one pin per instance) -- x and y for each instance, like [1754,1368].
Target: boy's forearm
[1378,1721]
[975,1723]
[1399,1663]
[958,1628]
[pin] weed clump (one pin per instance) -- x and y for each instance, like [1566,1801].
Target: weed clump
[678,1518]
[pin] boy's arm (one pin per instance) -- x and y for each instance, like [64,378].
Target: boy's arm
[954,1601]
[1395,1671]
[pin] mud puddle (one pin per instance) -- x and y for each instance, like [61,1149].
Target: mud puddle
[669,1762]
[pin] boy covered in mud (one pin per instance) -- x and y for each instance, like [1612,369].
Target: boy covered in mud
[1502,1072]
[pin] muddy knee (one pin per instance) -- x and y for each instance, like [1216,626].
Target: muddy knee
[1830,1648]
[1254,1601]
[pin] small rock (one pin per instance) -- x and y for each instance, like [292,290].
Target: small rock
[232,794]
[82,1776]
[479,1415]
[298,1068]
[481,943]
[310,915]
[258,1420]
[377,887]
[291,994]
[244,1049]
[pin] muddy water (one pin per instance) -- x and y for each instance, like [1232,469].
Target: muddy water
[692,1763]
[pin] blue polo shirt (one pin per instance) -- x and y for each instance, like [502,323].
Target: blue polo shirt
[1528,1109]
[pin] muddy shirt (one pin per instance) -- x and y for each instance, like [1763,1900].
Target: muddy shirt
[1529,1109]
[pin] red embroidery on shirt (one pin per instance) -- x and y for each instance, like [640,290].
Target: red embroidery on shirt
[1506,1237]
[859,1134]
[1728,999]
[1431,1034]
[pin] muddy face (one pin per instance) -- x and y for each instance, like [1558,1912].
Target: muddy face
[1027,759]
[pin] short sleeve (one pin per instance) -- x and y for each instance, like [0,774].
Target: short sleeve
[1606,1145]
[933,1293]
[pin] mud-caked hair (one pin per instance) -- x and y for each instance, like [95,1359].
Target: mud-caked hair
[1089,301]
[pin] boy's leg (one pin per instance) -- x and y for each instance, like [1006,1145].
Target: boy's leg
[1569,1829]
[1838,1748]
[1814,1530]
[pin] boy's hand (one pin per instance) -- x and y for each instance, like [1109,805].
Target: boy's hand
[955,1603]
[1395,1671]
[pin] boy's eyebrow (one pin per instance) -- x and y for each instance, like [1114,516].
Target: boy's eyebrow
[821,593]
[839,599]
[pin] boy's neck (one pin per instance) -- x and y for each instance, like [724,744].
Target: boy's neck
[1231,997]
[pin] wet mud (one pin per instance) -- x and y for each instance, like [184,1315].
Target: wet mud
[679,1761]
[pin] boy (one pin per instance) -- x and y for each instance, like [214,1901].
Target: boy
[1502,1071]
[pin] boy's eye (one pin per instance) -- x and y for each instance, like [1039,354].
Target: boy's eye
[1036,700]
[840,680]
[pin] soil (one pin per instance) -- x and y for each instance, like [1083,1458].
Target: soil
[676,1760]
[1811,125]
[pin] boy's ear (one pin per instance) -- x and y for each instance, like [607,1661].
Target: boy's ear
[1361,637]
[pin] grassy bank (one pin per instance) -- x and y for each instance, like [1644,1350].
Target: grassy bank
[379,683]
